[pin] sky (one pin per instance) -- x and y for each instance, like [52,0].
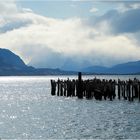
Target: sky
[71,34]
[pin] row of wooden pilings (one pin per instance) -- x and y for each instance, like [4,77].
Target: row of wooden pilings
[97,88]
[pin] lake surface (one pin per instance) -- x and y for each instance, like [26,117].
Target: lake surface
[27,110]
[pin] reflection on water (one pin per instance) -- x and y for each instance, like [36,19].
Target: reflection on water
[27,110]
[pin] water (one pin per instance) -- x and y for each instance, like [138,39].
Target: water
[27,110]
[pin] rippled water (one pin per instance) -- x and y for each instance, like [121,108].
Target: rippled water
[27,110]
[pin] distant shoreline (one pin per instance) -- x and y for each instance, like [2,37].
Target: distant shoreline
[67,75]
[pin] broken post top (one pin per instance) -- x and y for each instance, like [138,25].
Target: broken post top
[79,76]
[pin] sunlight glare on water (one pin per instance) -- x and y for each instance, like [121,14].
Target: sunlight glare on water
[27,110]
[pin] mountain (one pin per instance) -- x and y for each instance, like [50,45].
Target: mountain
[9,60]
[12,64]
[124,68]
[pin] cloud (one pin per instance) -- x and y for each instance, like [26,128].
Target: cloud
[46,57]
[93,10]
[126,22]
[27,10]
[70,43]
[8,7]
[13,25]
[129,5]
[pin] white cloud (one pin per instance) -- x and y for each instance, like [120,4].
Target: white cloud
[126,6]
[94,10]
[49,42]
[27,10]
[8,7]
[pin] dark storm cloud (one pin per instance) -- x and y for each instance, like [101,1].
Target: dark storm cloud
[120,22]
[127,22]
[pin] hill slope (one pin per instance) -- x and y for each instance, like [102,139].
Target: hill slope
[12,64]
[125,68]
[8,60]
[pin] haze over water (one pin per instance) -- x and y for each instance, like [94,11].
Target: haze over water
[27,110]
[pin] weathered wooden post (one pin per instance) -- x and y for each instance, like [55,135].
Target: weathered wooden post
[68,88]
[132,92]
[53,87]
[125,93]
[123,90]
[73,87]
[61,88]
[88,94]
[139,90]
[79,86]
[119,90]
[136,90]
[58,87]
[65,86]
[128,91]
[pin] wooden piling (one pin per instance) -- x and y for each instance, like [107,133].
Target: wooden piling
[88,93]
[68,88]
[119,95]
[132,93]
[58,87]
[128,91]
[53,87]
[61,88]
[139,90]
[96,88]
[124,91]
[79,86]
[65,88]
